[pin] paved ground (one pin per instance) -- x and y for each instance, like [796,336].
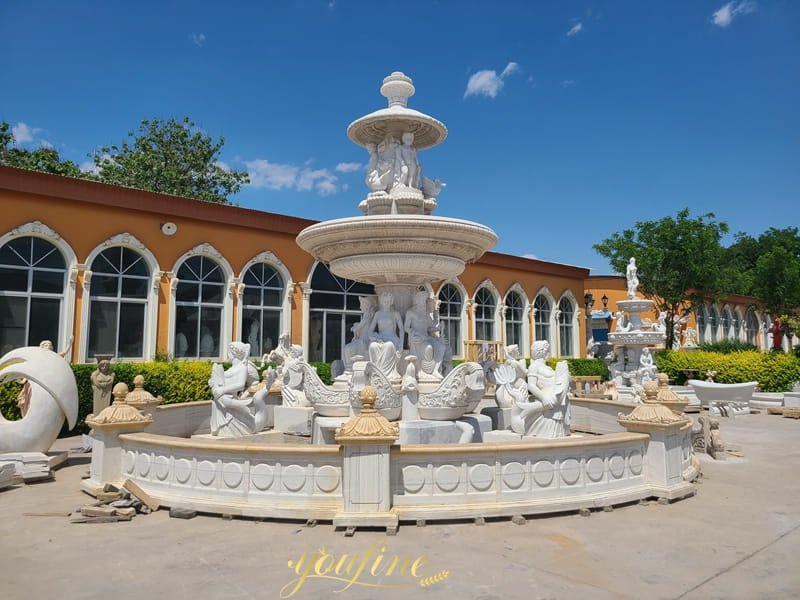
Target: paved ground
[738,538]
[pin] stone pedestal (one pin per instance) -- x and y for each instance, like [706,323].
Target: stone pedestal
[481,425]
[106,427]
[294,420]
[500,417]
[791,400]
[366,479]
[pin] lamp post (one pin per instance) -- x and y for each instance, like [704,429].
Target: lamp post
[588,303]
[604,299]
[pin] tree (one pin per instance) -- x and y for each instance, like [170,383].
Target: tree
[171,157]
[677,260]
[42,159]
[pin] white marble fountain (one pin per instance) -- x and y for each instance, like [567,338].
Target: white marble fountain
[395,437]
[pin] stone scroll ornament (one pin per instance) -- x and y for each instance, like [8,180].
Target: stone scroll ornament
[53,397]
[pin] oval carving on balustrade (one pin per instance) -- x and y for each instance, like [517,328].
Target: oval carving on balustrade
[232,475]
[543,473]
[447,478]
[514,475]
[206,472]
[182,469]
[413,478]
[481,477]
[262,477]
[570,471]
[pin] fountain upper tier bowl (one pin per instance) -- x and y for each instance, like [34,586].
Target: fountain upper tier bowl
[397,248]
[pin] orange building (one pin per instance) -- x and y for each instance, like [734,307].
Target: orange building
[135,274]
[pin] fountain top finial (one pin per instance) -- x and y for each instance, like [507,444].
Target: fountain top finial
[397,88]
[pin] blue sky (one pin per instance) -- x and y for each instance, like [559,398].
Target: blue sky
[568,120]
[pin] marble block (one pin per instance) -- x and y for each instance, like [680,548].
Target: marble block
[294,420]
[791,399]
[429,432]
[481,424]
[323,429]
[500,417]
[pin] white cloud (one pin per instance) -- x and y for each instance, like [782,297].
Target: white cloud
[488,82]
[277,176]
[199,39]
[577,28]
[531,256]
[567,83]
[23,134]
[223,165]
[45,144]
[349,167]
[725,14]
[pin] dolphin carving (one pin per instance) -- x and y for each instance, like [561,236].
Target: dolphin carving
[54,396]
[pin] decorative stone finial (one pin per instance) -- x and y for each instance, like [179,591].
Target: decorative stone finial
[667,397]
[369,425]
[139,397]
[397,88]
[650,392]
[120,414]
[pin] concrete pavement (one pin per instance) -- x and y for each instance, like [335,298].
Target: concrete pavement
[738,538]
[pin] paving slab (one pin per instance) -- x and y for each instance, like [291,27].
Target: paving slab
[738,538]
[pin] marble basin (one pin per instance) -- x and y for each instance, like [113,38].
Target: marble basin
[708,391]
[412,249]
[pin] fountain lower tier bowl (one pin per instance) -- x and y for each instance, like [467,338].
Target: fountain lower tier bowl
[397,248]
[636,338]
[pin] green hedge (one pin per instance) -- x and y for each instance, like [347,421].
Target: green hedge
[579,367]
[775,372]
[174,381]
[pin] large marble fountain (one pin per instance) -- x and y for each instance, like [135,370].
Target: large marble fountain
[400,433]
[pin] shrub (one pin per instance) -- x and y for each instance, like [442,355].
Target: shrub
[775,372]
[583,367]
[727,346]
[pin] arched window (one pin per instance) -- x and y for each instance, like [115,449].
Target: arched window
[485,304]
[566,327]
[334,311]
[751,327]
[726,324]
[702,322]
[262,303]
[541,318]
[713,323]
[450,305]
[199,300]
[118,295]
[515,315]
[32,286]
[736,324]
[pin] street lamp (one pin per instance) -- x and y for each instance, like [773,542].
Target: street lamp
[605,301]
[588,302]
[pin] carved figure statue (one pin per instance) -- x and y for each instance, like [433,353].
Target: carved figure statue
[691,337]
[677,326]
[510,388]
[252,337]
[423,339]
[102,383]
[632,279]
[24,397]
[431,188]
[292,376]
[53,396]
[386,335]
[647,368]
[622,324]
[548,415]
[407,167]
[661,326]
[359,346]
[207,345]
[283,352]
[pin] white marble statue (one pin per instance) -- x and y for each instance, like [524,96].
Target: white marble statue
[407,164]
[233,413]
[661,325]
[102,382]
[423,339]
[547,415]
[647,368]
[53,396]
[386,336]
[510,388]
[622,324]
[691,338]
[431,188]
[292,381]
[632,279]
[284,351]
[677,326]
[359,345]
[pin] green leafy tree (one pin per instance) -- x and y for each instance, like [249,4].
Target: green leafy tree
[42,159]
[678,260]
[170,157]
